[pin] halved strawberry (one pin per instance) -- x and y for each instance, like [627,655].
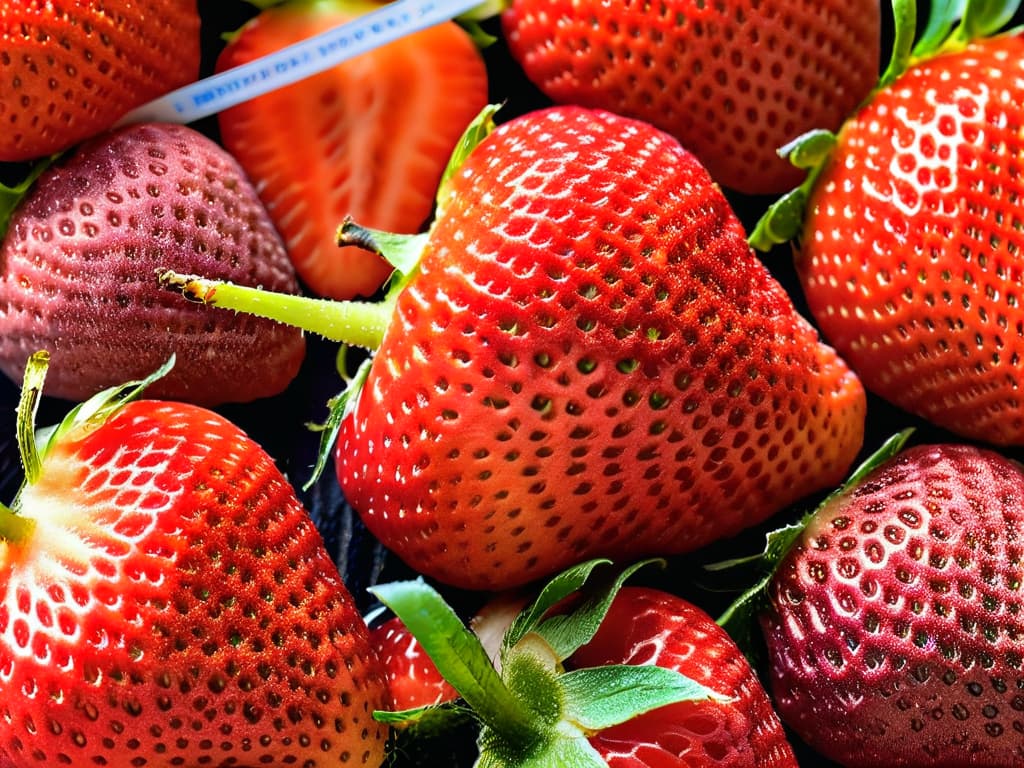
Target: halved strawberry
[368,138]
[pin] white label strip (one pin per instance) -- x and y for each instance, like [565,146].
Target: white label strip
[308,57]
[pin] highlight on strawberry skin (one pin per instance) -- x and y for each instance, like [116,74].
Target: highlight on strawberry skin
[165,599]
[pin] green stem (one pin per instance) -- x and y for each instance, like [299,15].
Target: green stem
[357,323]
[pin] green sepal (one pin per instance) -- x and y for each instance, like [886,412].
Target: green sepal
[740,618]
[97,410]
[481,38]
[943,16]
[339,408]
[426,722]
[978,19]
[403,252]
[784,219]
[459,657]
[904,28]
[34,444]
[478,129]
[781,222]
[596,698]
[567,633]
[558,753]
[809,150]
[561,586]
[11,196]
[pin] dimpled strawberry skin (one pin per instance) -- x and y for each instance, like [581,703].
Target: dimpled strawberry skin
[733,81]
[911,253]
[78,272]
[69,70]
[176,606]
[647,626]
[591,361]
[895,629]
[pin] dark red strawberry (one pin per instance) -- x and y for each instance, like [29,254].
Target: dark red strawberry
[910,252]
[892,613]
[77,271]
[636,678]
[733,80]
[584,358]
[367,139]
[166,600]
[70,70]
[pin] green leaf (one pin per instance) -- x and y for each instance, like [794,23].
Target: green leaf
[782,221]
[338,409]
[432,720]
[460,658]
[567,633]
[942,17]
[478,130]
[11,197]
[983,18]
[561,586]
[27,409]
[809,150]
[905,27]
[98,409]
[600,697]
[563,752]
[739,618]
[403,252]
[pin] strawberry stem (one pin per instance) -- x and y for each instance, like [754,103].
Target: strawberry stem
[358,323]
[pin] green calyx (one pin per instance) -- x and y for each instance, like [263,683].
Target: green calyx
[951,26]
[740,618]
[535,712]
[34,444]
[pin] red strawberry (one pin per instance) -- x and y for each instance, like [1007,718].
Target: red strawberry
[77,265]
[412,677]
[733,80]
[69,70]
[894,625]
[587,359]
[910,249]
[368,138]
[166,600]
[617,679]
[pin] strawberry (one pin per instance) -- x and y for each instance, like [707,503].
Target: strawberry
[602,676]
[368,138]
[77,264]
[413,680]
[166,600]
[69,70]
[584,358]
[908,250]
[893,620]
[733,80]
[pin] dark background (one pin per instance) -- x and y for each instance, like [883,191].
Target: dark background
[278,423]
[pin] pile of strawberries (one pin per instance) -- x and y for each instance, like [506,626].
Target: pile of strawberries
[500,316]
